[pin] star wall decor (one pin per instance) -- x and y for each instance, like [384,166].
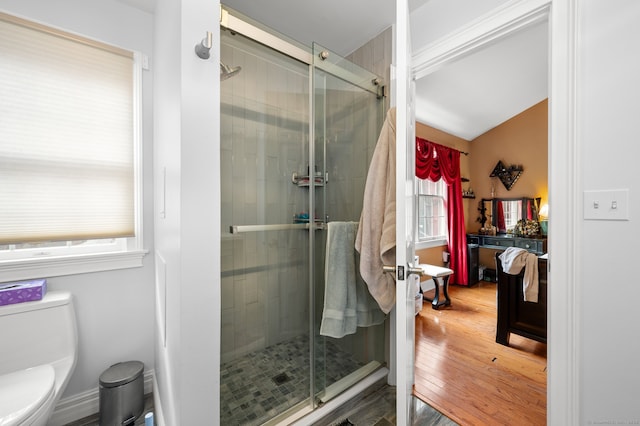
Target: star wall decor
[507,175]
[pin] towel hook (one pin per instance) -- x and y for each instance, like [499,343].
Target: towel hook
[204,47]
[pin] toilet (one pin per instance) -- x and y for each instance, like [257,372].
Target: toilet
[37,356]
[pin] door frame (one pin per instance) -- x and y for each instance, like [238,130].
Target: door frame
[403,316]
[564,184]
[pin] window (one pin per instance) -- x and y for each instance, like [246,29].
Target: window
[69,151]
[512,214]
[432,213]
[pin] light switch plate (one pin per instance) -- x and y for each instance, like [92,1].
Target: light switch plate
[611,204]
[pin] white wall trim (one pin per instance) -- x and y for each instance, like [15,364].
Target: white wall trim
[158,414]
[87,403]
[565,201]
[421,245]
[498,23]
[69,265]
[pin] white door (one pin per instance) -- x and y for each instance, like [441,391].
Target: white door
[405,202]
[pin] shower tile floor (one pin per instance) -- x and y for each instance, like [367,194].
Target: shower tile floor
[258,386]
[249,395]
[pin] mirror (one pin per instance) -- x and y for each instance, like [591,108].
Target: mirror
[504,213]
[508,211]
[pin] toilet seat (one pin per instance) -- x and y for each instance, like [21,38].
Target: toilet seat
[23,394]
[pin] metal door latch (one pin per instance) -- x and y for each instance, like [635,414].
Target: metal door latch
[399,271]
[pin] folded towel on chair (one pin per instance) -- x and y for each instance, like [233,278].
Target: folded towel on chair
[513,260]
[347,301]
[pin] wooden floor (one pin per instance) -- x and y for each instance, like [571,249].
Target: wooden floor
[461,371]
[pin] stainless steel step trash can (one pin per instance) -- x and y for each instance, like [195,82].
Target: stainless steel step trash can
[121,394]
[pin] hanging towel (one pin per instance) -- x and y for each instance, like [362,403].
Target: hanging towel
[367,310]
[347,302]
[376,238]
[513,260]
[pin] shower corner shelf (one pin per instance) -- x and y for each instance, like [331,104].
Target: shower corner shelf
[304,180]
[317,224]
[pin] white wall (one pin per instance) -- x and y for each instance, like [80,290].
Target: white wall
[167,167]
[114,309]
[187,152]
[608,113]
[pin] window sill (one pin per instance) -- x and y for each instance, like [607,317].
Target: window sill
[430,244]
[26,269]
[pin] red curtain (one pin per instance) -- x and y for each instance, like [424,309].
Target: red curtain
[434,161]
[502,227]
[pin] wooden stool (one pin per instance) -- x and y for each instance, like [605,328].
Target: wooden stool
[437,272]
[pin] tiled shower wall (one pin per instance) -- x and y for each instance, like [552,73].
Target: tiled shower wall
[376,56]
[351,130]
[350,118]
[264,139]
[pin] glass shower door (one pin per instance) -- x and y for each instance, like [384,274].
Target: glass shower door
[295,154]
[348,113]
[264,113]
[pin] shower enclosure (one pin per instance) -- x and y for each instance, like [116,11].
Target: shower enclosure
[298,130]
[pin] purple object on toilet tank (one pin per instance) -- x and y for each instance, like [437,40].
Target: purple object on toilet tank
[22,291]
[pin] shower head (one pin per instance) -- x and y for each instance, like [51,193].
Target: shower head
[227,71]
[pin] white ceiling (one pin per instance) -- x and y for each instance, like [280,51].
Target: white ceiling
[465,98]
[341,26]
[145,5]
[475,94]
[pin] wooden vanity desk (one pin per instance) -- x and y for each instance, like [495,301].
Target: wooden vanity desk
[537,245]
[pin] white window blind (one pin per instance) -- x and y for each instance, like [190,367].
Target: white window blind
[66,136]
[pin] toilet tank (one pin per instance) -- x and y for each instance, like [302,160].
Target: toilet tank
[40,332]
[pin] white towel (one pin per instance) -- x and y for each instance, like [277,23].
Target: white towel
[513,260]
[376,239]
[347,302]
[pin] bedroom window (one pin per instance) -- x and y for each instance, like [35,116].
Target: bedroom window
[69,153]
[432,213]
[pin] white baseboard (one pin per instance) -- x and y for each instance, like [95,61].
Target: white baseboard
[86,404]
